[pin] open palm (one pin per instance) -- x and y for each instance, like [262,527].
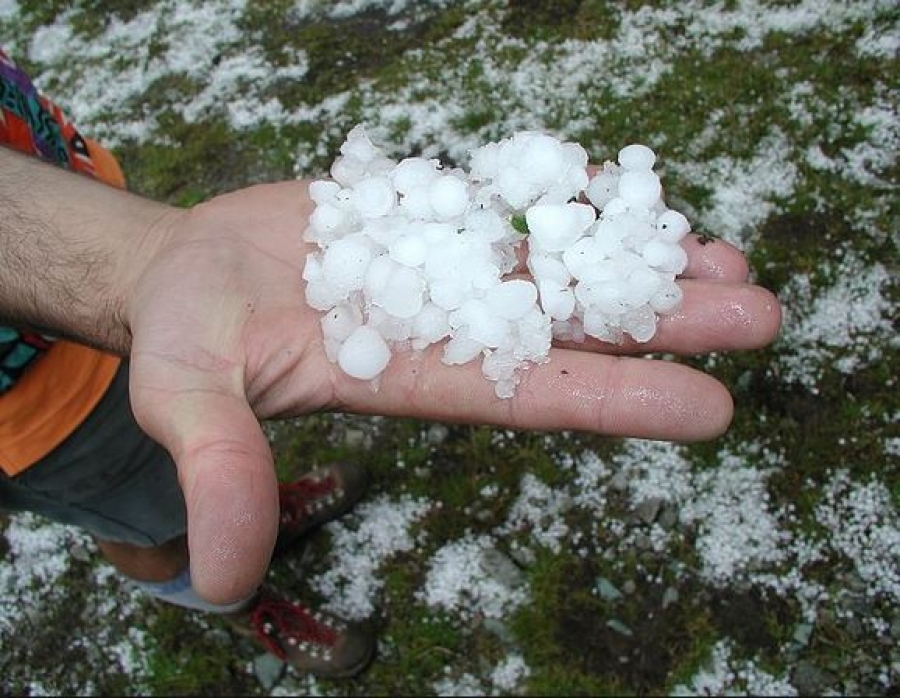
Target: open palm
[222,338]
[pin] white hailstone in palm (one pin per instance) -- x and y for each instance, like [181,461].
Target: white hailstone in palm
[338,324]
[408,249]
[412,173]
[448,197]
[583,257]
[358,145]
[364,354]
[461,349]
[487,224]
[672,226]
[615,207]
[603,187]
[480,323]
[547,267]
[667,298]
[554,227]
[557,300]
[511,300]
[637,157]
[640,188]
[403,294]
[430,325]
[665,257]
[346,262]
[640,323]
[374,197]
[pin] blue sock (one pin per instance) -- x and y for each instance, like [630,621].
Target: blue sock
[180,592]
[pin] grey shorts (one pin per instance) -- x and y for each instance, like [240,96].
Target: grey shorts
[107,477]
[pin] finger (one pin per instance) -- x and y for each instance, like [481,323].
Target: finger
[714,260]
[575,390]
[225,468]
[712,317]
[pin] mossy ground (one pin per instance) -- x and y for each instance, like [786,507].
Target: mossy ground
[716,100]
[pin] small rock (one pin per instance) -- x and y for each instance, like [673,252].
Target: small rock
[619,481]
[647,511]
[895,628]
[524,557]
[670,596]
[607,590]
[502,568]
[437,434]
[809,679]
[358,438]
[629,587]
[802,634]
[668,517]
[268,670]
[501,631]
[618,626]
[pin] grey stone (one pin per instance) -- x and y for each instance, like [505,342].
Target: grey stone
[524,557]
[809,679]
[670,596]
[618,626]
[668,517]
[501,631]
[802,634]
[502,568]
[437,434]
[607,590]
[629,587]
[895,628]
[647,511]
[358,438]
[268,670]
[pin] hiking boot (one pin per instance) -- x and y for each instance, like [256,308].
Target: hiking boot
[317,498]
[311,642]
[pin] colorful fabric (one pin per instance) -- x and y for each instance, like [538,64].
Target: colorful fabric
[33,124]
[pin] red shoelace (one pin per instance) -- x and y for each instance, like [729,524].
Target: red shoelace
[296,497]
[288,620]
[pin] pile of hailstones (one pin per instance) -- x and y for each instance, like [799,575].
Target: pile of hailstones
[412,254]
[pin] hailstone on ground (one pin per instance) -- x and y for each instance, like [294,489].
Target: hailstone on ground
[411,254]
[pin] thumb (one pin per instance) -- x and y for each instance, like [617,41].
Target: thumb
[226,472]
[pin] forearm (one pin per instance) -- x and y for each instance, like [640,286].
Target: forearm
[72,247]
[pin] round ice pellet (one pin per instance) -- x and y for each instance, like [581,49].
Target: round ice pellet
[640,323]
[374,197]
[322,190]
[511,299]
[640,188]
[340,322]
[327,219]
[637,157]
[665,256]
[672,226]
[615,207]
[448,197]
[345,263]
[556,300]
[403,296]
[364,354]
[412,173]
[556,226]
[667,298]
[409,250]
[603,188]
[348,170]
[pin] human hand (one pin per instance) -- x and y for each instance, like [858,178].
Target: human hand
[222,337]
